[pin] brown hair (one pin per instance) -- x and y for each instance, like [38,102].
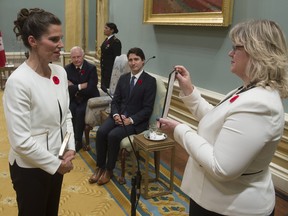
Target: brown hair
[35,22]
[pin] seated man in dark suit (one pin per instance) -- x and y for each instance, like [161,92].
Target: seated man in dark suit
[134,101]
[82,81]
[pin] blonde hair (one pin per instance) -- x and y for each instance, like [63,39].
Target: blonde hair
[265,43]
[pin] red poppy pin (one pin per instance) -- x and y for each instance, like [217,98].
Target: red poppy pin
[82,72]
[139,82]
[56,80]
[234,98]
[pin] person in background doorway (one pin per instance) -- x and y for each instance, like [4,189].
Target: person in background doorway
[110,48]
[36,107]
[82,84]
[227,172]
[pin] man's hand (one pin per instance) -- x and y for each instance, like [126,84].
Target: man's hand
[127,121]
[118,121]
[70,83]
[84,85]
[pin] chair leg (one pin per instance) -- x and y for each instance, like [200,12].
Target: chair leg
[87,130]
[121,178]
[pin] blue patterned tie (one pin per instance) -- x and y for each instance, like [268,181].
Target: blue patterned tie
[132,83]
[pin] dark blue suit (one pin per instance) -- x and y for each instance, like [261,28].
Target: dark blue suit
[138,105]
[79,98]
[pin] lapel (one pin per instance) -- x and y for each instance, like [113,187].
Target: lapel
[74,74]
[108,42]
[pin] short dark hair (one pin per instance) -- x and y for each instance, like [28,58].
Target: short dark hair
[137,51]
[113,27]
[35,22]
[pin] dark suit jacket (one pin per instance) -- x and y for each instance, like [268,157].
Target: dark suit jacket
[139,105]
[109,50]
[88,73]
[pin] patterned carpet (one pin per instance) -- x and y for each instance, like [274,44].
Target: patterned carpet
[80,198]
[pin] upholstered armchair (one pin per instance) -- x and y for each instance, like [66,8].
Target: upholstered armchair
[97,104]
[125,146]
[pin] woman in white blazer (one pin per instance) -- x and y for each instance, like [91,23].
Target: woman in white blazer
[227,172]
[36,106]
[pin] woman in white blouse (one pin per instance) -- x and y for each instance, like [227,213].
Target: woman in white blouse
[36,106]
[227,172]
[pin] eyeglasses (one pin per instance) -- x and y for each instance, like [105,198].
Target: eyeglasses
[236,47]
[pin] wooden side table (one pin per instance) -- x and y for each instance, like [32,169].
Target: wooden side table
[148,146]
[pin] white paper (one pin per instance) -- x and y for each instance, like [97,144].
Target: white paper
[168,94]
[64,144]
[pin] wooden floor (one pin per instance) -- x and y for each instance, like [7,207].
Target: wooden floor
[281,208]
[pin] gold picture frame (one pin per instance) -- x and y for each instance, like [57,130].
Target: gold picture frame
[205,12]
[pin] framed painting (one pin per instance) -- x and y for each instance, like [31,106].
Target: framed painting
[188,12]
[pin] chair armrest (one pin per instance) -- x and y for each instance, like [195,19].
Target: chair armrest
[98,102]
[94,107]
[101,92]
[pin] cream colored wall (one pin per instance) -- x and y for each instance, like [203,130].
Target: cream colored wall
[77,15]
[102,18]
[73,24]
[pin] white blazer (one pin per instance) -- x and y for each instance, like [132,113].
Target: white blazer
[228,167]
[33,117]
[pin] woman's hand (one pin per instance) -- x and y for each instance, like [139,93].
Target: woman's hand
[167,125]
[183,77]
[69,153]
[66,164]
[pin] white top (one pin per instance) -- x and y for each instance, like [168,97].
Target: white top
[33,117]
[235,138]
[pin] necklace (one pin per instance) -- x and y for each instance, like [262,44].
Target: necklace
[238,91]
[245,88]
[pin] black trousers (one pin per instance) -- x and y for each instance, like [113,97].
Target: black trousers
[108,138]
[106,77]
[197,210]
[78,111]
[38,192]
